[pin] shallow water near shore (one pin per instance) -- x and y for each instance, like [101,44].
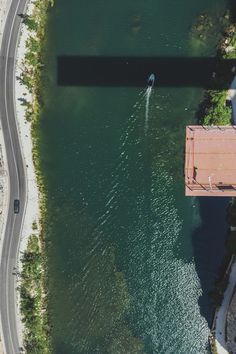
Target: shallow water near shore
[131,260]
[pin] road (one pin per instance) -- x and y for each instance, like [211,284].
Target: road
[17,179]
[221,317]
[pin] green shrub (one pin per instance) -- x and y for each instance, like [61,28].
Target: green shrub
[34,225]
[216,112]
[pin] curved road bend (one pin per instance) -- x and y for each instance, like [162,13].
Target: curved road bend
[17,179]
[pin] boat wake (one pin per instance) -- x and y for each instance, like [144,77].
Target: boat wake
[151,80]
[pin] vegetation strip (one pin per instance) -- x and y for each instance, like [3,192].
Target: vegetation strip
[33,299]
[214,109]
[33,289]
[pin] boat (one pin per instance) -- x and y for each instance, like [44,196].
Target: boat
[151,80]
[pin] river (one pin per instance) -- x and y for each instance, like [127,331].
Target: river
[131,260]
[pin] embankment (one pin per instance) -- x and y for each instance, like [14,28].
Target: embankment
[32,273]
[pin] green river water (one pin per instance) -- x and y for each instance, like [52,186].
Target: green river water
[131,260]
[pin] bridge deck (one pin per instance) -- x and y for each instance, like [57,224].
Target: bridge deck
[210,161]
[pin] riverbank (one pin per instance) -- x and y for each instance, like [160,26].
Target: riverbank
[32,269]
[219,108]
[220,342]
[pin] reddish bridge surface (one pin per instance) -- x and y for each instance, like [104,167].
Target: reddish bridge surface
[210,161]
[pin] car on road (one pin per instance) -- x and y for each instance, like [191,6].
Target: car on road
[16,206]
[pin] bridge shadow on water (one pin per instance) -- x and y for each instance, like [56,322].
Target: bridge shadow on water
[208,248]
[209,73]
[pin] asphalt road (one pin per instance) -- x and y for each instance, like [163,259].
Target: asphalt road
[17,179]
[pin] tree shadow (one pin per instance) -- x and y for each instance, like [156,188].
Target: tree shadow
[208,242]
